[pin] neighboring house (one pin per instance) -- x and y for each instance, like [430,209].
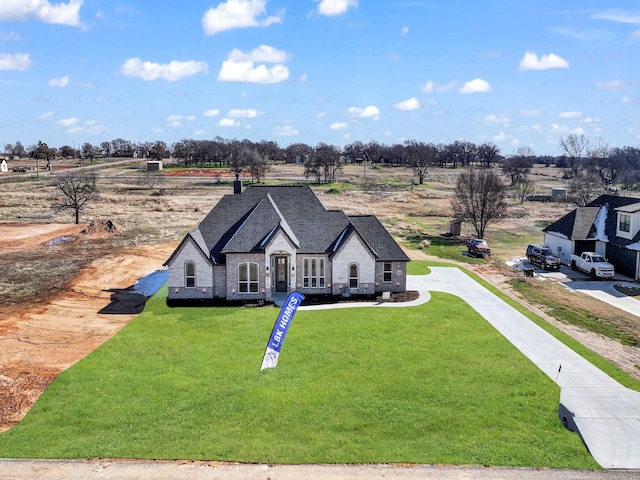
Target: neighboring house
[609,225]
[269,240]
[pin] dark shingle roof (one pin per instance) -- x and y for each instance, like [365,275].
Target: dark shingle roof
[579,223]
[378,238]
[242,223]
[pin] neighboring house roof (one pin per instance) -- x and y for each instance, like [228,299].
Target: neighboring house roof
[593,222]
[245,222]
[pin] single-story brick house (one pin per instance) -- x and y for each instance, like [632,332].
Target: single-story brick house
[609,225]
[271,240]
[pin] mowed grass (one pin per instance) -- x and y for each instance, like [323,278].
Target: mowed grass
[431,384]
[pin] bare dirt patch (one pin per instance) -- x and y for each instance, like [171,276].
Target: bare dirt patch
[38,342]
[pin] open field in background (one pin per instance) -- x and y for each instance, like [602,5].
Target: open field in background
[432,384]
[164,210]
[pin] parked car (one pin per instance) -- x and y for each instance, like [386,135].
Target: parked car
[477,247]
[542,256]
[594,264]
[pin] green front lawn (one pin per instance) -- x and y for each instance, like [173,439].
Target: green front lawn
[430,384]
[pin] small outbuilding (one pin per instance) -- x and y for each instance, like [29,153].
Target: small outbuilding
[154,165]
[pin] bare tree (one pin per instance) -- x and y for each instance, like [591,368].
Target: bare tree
[257,163]
[324,162]
[479,198]
[524,188]
[519,165]
[573,148]
[420,156]
[73,192]
[585,188]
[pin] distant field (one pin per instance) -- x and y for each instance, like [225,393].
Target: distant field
[431,384]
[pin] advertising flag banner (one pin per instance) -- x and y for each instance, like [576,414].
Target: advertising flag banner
[280,330]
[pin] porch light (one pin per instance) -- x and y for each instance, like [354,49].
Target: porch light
[263,290]
[266,270]
[233,290]
[204,290]
[177,290]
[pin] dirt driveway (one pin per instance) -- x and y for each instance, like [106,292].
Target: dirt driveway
[37,344]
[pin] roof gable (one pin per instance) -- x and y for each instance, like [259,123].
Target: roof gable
[247,221]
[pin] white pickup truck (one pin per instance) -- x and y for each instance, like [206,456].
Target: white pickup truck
[594,264]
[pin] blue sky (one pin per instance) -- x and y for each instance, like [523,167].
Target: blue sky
[510,72]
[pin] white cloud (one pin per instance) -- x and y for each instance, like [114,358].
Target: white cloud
[405,31]
[46,115]
[407,105]
[243,113]
[591,120]
[500,119]
[530,61]
[89,127]
[67,122]
[213,112]
[635,34]
[577,131]
[628,100]
[612,85]
[321,115]
[575,114]
[477,85]
[241,67]
[332,8]
[228,122]
[237,14]
[530,113]
[339,126]
[263,53]
[618,15]
[191,118]
[41,10]
[285,131]
[18,61]
[8,37]
[174,120]
[368,112]
[59,82]
[172,71]
[431,87]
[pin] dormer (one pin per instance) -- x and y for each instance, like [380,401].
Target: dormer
[628,221]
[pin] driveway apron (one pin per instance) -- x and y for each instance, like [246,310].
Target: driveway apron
[605,413]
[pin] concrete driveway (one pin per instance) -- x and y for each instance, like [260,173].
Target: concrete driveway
[603,290]
[605,413]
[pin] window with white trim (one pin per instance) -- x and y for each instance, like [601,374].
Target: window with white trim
[387,270]
[313,272]
[248,277]
[190,275]
[353,275]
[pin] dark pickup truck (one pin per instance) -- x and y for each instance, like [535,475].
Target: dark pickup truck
[477,247]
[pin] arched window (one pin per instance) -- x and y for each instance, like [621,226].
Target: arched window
[353,276]
[190,275]
[248,277]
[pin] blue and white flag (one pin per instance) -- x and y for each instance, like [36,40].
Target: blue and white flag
[280,329]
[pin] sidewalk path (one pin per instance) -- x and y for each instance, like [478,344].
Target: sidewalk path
[606,414]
